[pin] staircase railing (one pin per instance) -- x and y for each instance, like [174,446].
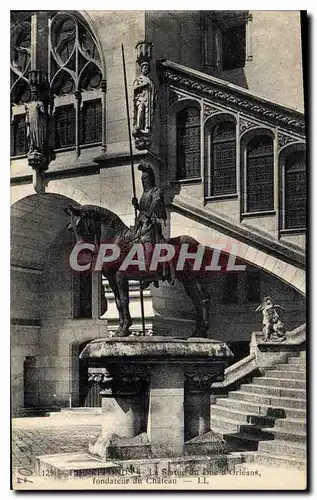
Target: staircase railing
[263,355]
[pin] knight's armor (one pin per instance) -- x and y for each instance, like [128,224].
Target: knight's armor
[151,215]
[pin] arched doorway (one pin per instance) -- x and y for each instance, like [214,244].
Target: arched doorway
[43,321]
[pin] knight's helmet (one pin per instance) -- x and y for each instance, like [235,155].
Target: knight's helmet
[145,167]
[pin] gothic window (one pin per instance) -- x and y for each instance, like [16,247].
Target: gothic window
[188,143]
[20,54]
[74,62]
[223,159]
[230,290]
[65,50]
[91,122]
[295,190]
[259,174]
[64,120]
[18,140]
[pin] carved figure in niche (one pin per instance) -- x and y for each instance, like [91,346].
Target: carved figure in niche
[144,100]
[273,327]
[36,122]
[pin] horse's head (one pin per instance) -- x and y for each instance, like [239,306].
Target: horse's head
[82,223]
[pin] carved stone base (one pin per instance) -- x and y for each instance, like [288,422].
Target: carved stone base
[160,386]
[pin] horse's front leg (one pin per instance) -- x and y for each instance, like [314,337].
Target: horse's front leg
[114,287]
[123,287]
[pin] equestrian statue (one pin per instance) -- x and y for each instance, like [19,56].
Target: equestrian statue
[97,225]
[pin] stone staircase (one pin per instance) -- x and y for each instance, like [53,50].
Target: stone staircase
[266,419]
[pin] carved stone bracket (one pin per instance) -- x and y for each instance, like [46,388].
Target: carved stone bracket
[174,96]
[284,139]
[116,381]
[209,110]
[201,379]
[246,125]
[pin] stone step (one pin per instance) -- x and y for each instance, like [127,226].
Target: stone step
[290,367]
[264,399]
[290,425]
[284,448]
[285,374]
[279,382]
[297,361]
[246,433]
[274,391]
[268,410]
[284,435]
[228,427]
[240,416]
[273,460]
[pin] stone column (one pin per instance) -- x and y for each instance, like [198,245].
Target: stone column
[124,390]
[166,410]
[198,383]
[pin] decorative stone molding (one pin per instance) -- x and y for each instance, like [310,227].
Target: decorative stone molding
[229,96]
[246,125]
[202,379]
[174,96]
[210,110]
[116,380]
[284,139]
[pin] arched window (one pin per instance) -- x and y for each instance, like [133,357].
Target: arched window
[20,92]
[295,190]
[69,56]
[223,160]
[260,174]
[188,143]
[75,66]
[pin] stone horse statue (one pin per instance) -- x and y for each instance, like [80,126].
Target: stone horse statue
[96,225]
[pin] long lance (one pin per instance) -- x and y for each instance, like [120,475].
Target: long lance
[132,173]
[129,128]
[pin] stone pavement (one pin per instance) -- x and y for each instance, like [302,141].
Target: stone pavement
[36,436]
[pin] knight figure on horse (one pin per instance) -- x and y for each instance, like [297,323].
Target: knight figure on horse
[148,225]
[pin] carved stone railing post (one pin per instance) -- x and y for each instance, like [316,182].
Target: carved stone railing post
[39,128]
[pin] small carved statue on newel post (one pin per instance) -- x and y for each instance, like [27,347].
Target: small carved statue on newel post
[273,327]
[38,129]
[144,98]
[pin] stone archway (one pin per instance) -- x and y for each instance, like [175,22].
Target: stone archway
[284,271]
[37,221]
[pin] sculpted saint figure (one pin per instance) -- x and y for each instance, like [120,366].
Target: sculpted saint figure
[144,99]
[36,125]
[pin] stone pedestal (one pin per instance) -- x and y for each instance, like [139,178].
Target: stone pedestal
[166,410]
[157,385]
[155,400]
